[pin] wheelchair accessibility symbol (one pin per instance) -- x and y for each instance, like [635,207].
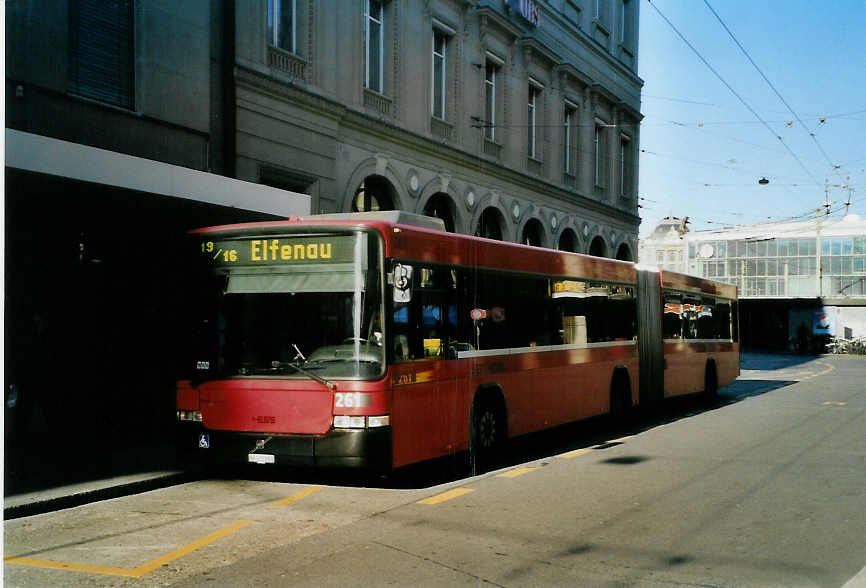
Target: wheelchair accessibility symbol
[204,441]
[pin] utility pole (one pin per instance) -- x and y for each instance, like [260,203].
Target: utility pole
[848,202]
[826,197]
[818,269]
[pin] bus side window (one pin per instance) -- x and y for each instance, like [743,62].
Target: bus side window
[691,307]
[431,325]
[426,326]
[402,333]
[722,320]
[706,319]
[672,322]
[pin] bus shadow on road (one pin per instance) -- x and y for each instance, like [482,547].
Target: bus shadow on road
[742,389]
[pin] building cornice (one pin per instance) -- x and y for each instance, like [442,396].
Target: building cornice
[490,19]
[588,42]
[567,70]
[533,46]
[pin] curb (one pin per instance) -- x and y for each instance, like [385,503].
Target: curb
[41,506]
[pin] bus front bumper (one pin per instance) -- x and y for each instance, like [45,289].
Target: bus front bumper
[339,448]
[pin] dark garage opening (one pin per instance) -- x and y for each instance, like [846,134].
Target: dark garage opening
[96,315]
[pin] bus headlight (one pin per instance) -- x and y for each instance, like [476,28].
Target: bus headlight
[189,416]
[379,421]
[361,422]
[350,422]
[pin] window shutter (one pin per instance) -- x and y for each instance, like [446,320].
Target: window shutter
[101,51]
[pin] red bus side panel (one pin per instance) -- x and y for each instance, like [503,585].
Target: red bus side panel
[686,364]
[429,413]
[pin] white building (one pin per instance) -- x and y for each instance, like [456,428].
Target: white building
[665,247]
[797,272]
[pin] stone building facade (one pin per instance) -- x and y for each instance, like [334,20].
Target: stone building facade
[513,126]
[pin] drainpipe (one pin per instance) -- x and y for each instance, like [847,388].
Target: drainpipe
[229,94]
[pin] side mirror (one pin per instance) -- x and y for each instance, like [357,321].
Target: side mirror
[402,283]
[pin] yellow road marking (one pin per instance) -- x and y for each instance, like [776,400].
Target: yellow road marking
[189,548]
[575,453]
[829,369]
[516,472]
[830,403]
[297,496]
[446,496]
[141,570]
[72,567]
[620,440]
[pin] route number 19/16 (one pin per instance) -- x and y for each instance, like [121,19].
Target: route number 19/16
[227,255]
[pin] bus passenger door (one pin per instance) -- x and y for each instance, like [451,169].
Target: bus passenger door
[423,338]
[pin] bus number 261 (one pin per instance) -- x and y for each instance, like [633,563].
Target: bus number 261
[351,399]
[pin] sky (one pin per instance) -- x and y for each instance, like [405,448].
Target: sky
[704,147]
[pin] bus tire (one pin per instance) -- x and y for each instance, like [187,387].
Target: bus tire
[711,381]
[620,398]
[488,432]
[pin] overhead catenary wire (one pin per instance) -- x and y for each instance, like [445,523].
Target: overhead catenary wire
[769,83]
[734,92]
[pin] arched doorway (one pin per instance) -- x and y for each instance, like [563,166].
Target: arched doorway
[490,224]
[441,206]
[624,253]
[374,193]
[567,241]
[598,247]
[533,233]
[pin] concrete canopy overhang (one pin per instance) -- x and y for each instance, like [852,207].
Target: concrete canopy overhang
[53,157]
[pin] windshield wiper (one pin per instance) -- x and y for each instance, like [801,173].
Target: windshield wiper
[328,384]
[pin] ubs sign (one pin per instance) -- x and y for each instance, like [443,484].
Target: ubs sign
[525,8]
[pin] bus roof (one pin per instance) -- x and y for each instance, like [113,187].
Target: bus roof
[416,238]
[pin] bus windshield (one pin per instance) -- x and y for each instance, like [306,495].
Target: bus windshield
[279,304]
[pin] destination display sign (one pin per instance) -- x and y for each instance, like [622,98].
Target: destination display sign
[280,251]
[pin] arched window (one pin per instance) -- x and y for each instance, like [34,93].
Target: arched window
[533,233]
[374,193]
[441,206]
[598,247]
[567,241]
[490,224]
[624,253]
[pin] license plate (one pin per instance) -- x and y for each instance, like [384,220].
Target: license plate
[260,458]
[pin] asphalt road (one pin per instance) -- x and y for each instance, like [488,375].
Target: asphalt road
[765,488]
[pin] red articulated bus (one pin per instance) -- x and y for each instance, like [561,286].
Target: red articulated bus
[377,340]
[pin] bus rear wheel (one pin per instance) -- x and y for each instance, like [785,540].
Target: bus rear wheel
[711,382]
[488,433]
[620,400]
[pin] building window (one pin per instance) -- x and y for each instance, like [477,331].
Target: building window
[532,114]
[490,101]
[572,11]
[375,72]
[625,167]
[440,43]
[599,11]
[101,51]
[624,21]
[568,142]
[282,24]
[600,148]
